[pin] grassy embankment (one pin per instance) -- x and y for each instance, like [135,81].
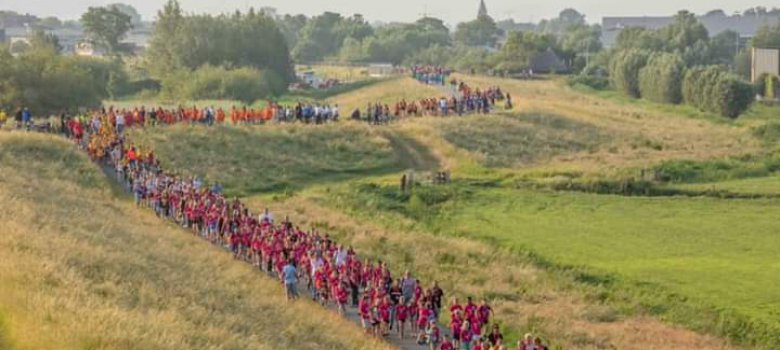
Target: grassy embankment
[82,269]
[582,269]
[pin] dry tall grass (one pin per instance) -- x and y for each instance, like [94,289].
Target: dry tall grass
[80,269]
[643,135]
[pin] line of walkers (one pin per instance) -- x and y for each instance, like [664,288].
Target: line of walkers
[331,273]
[463,101]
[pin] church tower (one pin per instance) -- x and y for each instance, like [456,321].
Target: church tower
[482,10]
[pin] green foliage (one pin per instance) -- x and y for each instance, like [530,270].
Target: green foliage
[291,27]
[638,38]
[578,41]
[592,81]
[521,48]
[46,82]
[624,71]
[690,171]
[208,82]
[767,37]
[479,32]
[324,35]
[462,58]
[684,32]
[106,26]
[661,79]
[566,19]
[712,88]
[239,40]
[395,44]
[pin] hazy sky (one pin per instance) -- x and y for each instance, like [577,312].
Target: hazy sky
[405,10]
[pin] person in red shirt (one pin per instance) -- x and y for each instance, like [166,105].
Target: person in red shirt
[401,315]
[446,344]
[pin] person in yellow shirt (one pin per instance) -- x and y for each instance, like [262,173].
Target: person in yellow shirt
[3,118]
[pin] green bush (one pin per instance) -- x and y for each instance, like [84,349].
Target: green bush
[210,82]
[592,81]
[714,89]
[661,79]
[624,71]
[49,83]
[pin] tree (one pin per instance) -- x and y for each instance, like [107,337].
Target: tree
[723,47]
[624,71]
[291,27]
[639,38]
[42,40]
[578,42]
[566,19]
[323,35]
[395,44]
[482,31]
[186,43]
[521,48]
[712,88]
[135,17]
[684,32]
[767,37]
[106,27]
[661,79]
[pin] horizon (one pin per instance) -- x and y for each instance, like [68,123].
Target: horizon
[389,12]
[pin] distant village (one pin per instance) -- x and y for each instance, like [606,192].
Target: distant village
[16,30]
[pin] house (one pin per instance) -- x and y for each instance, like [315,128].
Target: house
[716,22]
[765,61]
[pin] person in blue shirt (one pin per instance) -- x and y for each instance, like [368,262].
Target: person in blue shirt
[26,117]
[290,278]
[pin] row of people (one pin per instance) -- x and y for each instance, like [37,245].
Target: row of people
[332,274]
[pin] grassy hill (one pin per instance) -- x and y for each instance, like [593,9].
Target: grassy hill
[85,270]
[280,157]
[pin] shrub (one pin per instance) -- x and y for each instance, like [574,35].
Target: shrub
[592,81]
[712,88]
[661,79]
[211,82]
[624,71]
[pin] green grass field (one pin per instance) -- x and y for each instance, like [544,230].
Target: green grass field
[758,185]
[714,254]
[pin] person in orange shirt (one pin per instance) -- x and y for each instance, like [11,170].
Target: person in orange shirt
[234,115]
[220,116]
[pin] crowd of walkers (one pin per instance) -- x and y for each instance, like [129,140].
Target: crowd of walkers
[431,75]
[464,100]
[330,273]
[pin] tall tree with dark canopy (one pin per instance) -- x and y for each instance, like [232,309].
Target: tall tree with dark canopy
[106,27]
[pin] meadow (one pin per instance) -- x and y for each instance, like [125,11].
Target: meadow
[84,269]
[583,270]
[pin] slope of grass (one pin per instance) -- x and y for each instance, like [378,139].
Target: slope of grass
[514,141]
[643,133]
[83,270]
[272,157]
[388,91]
[701,262]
